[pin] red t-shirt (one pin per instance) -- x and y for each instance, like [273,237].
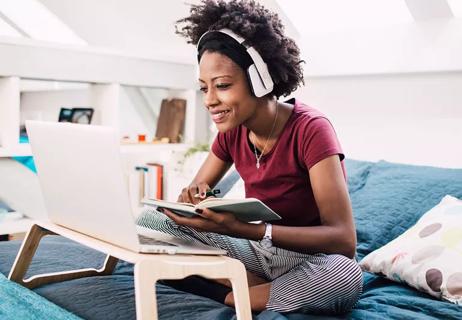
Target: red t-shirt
[283,182]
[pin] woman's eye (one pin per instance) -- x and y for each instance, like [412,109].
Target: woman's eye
[203,89]
[223,85]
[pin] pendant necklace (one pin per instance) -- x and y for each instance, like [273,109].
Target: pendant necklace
[258,157]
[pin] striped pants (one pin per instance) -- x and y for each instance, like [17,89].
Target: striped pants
[317,283]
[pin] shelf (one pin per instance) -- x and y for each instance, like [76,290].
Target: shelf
[146,147]
[24,149]
[19,150]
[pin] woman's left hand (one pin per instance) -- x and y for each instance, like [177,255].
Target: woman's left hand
[208,221]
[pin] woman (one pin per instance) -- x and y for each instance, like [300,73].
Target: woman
[289,157]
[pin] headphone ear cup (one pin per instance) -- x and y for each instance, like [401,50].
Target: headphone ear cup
[256,83]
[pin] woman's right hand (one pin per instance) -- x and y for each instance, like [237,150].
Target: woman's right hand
[188,194]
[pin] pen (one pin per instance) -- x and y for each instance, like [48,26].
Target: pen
[209,193]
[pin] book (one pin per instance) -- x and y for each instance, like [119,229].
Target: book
[147,182]
[142,182]
[247,210]
[154,189]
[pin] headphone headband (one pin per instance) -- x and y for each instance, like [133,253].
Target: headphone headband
[260,78]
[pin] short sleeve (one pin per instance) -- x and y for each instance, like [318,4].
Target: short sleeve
[220,147]
[319,142]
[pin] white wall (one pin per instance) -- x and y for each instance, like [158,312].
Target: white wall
[421,46]
[410,118]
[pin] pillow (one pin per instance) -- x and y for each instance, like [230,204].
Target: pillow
[357,172]
[227,183]
[237,191]
[394,197]
[428,256]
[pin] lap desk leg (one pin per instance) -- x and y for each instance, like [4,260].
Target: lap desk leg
[27,252]
[148,269]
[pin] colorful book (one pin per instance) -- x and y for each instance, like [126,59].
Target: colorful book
[154,189]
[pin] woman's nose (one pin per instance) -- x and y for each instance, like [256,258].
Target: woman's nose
[210,98]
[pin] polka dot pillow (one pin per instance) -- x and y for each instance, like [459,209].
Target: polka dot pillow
[428,256]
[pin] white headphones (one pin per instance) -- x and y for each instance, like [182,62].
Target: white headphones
[261,82]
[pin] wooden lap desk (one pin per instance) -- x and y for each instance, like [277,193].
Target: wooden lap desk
[148,269]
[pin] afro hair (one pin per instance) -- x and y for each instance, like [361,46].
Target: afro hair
[260,27]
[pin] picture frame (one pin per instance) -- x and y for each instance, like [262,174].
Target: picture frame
[82,115]
[65,115]
[76,115]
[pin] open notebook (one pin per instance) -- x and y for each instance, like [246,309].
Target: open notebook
[249,209]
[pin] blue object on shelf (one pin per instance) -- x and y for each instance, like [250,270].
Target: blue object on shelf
[27,161]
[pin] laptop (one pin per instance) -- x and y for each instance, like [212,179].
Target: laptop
[85,189]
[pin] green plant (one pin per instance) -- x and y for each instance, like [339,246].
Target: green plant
[196,148]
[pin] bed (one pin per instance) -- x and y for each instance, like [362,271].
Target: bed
[387,199]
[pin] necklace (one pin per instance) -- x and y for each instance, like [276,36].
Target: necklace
[258,157]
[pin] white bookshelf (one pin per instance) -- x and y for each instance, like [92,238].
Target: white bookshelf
[105,73]
[9,114]
[104,99]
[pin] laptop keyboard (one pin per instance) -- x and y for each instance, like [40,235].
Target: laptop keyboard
[152,241]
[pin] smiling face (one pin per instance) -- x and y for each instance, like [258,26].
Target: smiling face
[226,92]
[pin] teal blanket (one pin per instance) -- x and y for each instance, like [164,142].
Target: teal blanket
[17,302]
